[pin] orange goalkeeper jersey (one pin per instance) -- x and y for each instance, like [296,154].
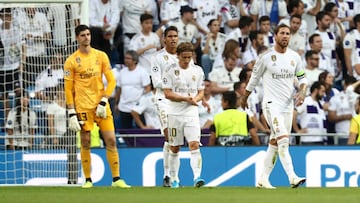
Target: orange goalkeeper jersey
[84,86]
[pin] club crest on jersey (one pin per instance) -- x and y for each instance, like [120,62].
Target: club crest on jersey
[275,121]
[292,63]
[166,57]
[177,72]
[273,57]
[193,78]
[142,40]
[78,60]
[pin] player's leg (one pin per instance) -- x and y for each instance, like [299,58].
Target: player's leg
[161,108]
[108,133]
[270,156]
[192,133]
[176,139]
[284,121]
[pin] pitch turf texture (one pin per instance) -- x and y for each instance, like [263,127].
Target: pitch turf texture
[26,194]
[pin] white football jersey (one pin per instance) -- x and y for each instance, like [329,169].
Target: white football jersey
[160,63]
[278,71]
[184,82]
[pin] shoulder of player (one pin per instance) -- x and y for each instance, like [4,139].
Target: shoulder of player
[266,54]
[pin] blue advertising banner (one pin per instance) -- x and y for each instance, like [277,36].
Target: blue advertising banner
[327,166]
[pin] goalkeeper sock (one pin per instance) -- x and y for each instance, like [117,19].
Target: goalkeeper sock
[166,158]
[86,161]
[174,165]
[269,161]
[196,163]
[285,158]
[113,160]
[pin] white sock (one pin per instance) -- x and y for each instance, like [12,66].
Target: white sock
[166,149]
[196,163]
[285,158]
[269,161]
[174,165]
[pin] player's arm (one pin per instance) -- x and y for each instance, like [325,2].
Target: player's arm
[212,139]
[354,131]
[69,85]
[155,73]
[110,78]
[169,94]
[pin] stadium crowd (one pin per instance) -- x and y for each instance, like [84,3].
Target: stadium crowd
[228,35]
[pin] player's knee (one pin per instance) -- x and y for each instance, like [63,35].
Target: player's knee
[193,145]
[174,149]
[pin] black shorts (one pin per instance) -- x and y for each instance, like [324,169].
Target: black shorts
[9,80]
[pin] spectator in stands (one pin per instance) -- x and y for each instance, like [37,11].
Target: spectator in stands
[130,12]
[170,10]
[145,43]
[11,55]
[336,25]
[312,71]
[36,31]
[312,8]
[265,29]
[231,12]
[250,55]
[296,7]
[345,14]
[223,79]
[63,19]
[208,110]
[352,49]
[21,123]
[56,116]
[311,117]
[232,49]
[103,21]
[51,77]
[316,44]
[241,33]
[232,127]
[132,83]
[354,137]
[328,80]
[205,10]
[323,20]
[187,31]
[297,40]
[183,115]
[276,9]
[342,108]
[146,106]
[212,45]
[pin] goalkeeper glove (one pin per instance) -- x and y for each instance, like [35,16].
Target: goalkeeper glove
[101,108]
[73,121]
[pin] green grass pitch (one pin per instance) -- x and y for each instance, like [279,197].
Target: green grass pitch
[28,194]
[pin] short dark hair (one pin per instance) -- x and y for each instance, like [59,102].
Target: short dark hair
[170,28]
[329,6]
[211,21]
[282,25]
[245,21]
[243,74]
[230,97]
[316,85]
[253,34]
[295,16]
[293,4]
[309,54]
[311,38]
[185,47]
[356,19]
[320,15]
[145,16]
[264,18]
[81,28]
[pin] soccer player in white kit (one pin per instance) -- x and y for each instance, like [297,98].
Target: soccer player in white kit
[160,63]
[278,67]
[183,85]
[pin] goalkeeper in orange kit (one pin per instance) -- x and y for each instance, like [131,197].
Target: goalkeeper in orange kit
[87,102]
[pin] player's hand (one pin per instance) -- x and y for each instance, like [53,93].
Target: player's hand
[191,101]
[299,98]
[101,108]
[73,121]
